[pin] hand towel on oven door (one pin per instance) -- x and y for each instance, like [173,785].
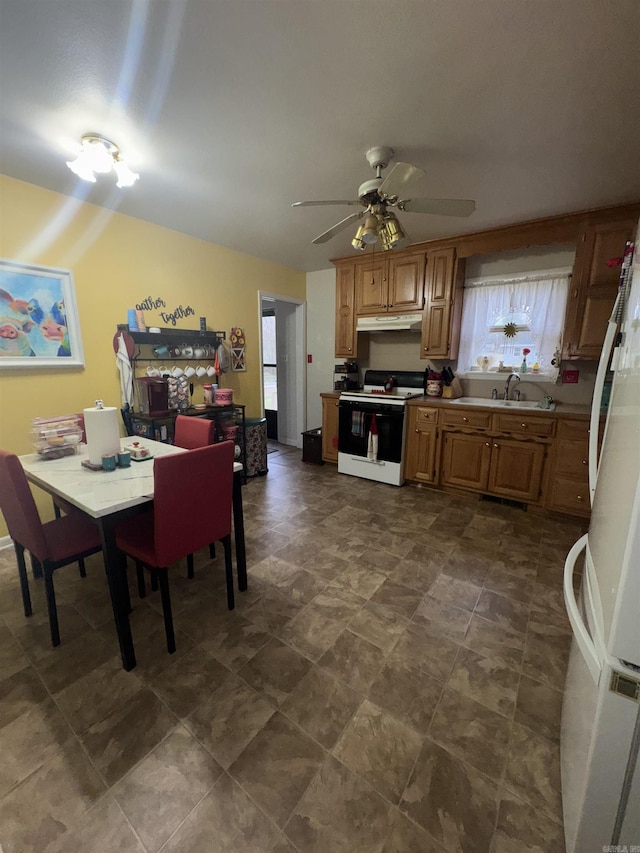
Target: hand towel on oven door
[357,424]
[372,442]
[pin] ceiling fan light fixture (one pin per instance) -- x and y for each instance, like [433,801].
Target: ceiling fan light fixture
[100,155]
[358,242]
[370,229]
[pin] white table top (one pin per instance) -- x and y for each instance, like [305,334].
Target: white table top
[99,493]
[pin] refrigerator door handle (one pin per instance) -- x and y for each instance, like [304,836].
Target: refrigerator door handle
[580,631]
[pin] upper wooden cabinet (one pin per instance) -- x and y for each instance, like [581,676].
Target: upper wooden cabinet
[444,279]
[345,341]
[594,286]
[389,284]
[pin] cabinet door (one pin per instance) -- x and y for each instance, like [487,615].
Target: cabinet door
[345,341]
[593,287]
[465,461]
[406,283]
[371,287]
[440,305]
[330,429]
[420,461]
[516,469]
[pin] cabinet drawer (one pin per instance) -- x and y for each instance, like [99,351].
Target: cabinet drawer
[573,430]
[523,424]
[466,418]
[424,415]
[570,496]
[572,458]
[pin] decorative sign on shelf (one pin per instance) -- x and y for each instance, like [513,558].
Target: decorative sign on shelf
[155,303]
[237,349]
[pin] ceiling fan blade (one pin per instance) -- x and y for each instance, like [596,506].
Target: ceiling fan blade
[398,178]
[319,203]
[439,206]
[327,235]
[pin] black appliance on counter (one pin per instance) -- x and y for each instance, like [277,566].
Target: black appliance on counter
[346,377]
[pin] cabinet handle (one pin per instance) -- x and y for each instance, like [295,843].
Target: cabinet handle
[417,430]
[524,426]
[466,420]
[496,446]
[426,349]
[584,461]
[336,405]
[487,444]
[391,305]
[579,497]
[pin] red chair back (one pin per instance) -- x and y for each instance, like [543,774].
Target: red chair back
[191,500]
[192,432]
[19,508]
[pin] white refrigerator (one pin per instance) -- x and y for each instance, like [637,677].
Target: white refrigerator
[600,734]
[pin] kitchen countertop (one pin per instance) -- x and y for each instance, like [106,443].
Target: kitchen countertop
[560,410]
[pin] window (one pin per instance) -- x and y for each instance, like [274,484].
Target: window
[269,366]
[502,316]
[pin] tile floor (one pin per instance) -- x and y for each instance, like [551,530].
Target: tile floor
[390,682]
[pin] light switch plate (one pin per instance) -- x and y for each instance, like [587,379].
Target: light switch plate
[570,377]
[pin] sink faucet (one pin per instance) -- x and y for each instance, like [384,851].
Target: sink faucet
[511,376]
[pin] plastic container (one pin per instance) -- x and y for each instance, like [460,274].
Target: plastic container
[56,437]
[223,396]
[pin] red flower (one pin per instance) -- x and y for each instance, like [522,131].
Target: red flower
[526,351]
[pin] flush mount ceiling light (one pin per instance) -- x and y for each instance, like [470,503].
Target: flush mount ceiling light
[101,155]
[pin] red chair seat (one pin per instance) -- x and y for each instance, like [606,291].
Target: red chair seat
[72,534]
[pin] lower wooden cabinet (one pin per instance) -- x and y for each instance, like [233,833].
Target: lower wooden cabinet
[465,461]
[330,427]
[422,442]
[567,488]
[516,469]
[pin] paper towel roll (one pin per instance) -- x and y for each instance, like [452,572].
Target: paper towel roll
[101,429]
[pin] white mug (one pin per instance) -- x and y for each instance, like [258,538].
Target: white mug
[187,352]
[164,371]
[199,352]
[189,371]
[211,370]
[152,371]
[176,371]
[201,371]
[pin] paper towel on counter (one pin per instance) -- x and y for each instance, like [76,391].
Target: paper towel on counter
[102,432]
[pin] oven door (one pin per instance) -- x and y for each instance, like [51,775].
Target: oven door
[354,425]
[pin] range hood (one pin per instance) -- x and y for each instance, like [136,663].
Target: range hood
[390,323]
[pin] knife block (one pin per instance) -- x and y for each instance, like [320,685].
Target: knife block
[453,391]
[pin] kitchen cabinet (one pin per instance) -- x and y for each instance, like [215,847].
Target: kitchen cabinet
[330,427]
[389,284]
[346,337]
[444,279]
[594,285]
[485,452]
[567,488]
[420,463]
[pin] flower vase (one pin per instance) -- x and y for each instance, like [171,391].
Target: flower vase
[523,366]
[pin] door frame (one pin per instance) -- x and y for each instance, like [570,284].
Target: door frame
[299,403]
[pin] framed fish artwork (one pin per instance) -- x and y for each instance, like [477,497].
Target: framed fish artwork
[39,325]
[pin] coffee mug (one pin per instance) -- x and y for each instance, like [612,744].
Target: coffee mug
[108,462]
[176,371]
[152,371]
[176,352]
[189,371]
[161,352]
[201,371]
[124,459]
[164,371]
[187,352]
[211,370]
[199,352]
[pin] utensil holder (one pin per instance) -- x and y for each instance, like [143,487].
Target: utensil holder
[453,391]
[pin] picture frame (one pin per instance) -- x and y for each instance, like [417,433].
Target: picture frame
[39,323]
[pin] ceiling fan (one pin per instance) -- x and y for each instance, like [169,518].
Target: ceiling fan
[377,195]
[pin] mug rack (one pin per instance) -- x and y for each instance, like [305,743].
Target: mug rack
[172,337]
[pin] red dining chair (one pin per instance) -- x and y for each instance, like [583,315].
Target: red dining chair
[54,544]
[191,508]
[191,433]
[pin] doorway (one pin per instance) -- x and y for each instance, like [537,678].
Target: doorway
[282,348]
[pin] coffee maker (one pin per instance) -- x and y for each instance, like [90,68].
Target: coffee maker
[346,377]
[153,395]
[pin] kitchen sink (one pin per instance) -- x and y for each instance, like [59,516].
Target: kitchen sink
[500,404]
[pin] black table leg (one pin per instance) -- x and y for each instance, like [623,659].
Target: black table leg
[115,564]
[238,529]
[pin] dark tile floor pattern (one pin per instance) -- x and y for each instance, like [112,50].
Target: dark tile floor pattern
[390,682]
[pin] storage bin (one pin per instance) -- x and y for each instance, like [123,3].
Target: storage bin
[256,451]
[312,446]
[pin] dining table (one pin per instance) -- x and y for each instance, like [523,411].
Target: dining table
[108,497]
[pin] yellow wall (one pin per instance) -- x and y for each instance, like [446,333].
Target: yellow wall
[116,262]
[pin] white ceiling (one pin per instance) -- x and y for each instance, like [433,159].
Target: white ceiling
[233,109]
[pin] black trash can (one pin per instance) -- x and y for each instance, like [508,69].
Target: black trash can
[312,446]
[256,430]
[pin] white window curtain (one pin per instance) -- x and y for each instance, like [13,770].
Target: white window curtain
[533,302]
